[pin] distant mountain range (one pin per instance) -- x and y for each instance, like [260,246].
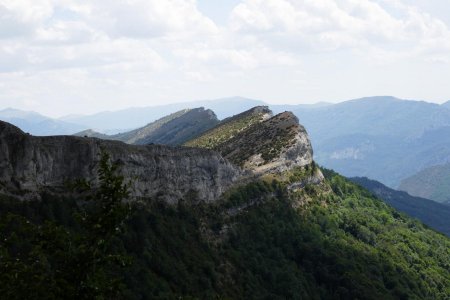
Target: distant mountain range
[174,129]
[37,124]
[433,214]
[383,138]
[446,104]
[140,116]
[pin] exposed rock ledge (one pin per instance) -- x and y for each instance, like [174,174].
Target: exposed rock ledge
[275,145]
[31,163]
[272,145]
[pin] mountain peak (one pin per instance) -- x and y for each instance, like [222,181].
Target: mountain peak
[259,142]
[274,145]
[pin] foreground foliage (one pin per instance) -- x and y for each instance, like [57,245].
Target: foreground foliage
[252,244]
[77,258]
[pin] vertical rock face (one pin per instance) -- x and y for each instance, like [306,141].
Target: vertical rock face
[30,163]
[249,144]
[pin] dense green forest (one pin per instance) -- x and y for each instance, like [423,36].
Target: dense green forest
[259,241]
[434,214]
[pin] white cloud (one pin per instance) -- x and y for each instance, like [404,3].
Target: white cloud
[148,18]
[20,17]
[145,49]
[329,25]
[249,58]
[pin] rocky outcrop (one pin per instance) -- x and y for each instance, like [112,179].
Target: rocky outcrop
[29,164]
[259,142]
[275,145]
[249,145]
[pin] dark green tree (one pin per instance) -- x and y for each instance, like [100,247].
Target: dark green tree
[50,261]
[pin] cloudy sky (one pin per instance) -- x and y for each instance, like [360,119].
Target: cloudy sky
[71,56]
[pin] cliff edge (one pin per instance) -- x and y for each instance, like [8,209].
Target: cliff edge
[28,164]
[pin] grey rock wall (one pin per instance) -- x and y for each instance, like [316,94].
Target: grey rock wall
[32,163]
[29,164]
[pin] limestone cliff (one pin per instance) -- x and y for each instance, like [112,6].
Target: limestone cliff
[28,164]
[251,144]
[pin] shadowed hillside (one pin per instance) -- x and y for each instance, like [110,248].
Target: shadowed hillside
[435,215]
[173,129]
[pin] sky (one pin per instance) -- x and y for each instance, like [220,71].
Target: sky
[61,57]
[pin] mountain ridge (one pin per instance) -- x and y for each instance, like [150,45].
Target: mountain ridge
[38,124]
[383,137]
[138,117]
[259,141]
[173,129]
[32,163]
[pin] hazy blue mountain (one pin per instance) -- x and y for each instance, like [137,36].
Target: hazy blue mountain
[446,104]
[37,124]
[432,183]
[384,138]
[174,129]
[278,108]
[433,214]
[140,116]
[387,116]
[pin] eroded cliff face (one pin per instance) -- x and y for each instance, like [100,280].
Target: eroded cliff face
[263,144]
[247,146]
[29,164]
[274,145]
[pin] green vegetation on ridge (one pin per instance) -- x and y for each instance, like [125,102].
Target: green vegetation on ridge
[228,128]
[251,244]
[251,138]
[434,214]
[267,138]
